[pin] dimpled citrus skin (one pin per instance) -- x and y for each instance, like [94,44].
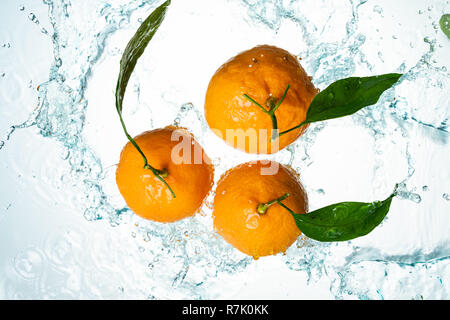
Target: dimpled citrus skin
[240,190]
[145,194]
[259,72]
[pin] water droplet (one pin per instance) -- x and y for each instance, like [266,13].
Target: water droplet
[2,75]
[33,18]
[378,9]
[414,197]
[446,196]
[250,65]
[425,188]
[21,8]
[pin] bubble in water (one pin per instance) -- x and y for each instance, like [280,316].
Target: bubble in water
[403,193]
[58,62]
[28,263]
[33,18]
[378,9]
[186,107]
[446,196]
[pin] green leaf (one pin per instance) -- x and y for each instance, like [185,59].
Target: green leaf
[135,48]
[347,96]
[445,24]
[342,221]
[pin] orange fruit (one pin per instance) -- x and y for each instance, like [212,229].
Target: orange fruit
[239,192]
[190,175]
[263,73]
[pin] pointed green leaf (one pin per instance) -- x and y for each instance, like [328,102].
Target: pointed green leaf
[347,96]
[342,221]
[135,48]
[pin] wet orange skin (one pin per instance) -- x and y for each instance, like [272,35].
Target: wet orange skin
[145,194]
[240,190]
[261,72]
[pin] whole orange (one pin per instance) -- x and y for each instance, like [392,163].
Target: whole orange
[263,73]
[190,175]
[239,192]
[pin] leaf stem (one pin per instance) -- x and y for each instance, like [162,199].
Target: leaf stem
[256,103]
[275,127]
[160,174]
[293,128]
[262,207]
[281,204]
[272,108]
